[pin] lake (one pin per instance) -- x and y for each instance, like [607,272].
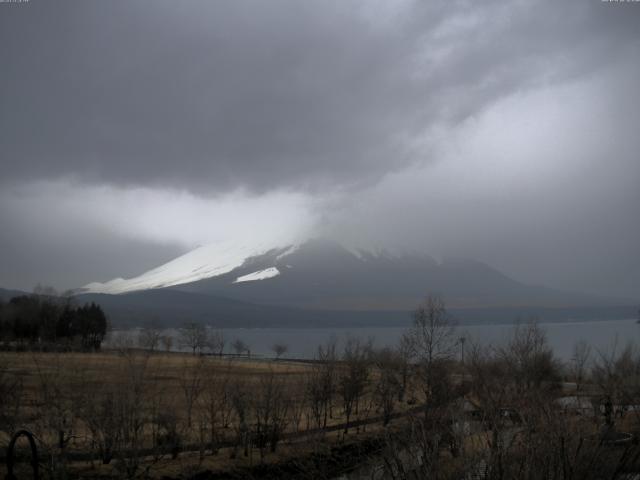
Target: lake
[302,342]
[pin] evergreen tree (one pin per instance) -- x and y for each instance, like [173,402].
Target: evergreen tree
[45,319]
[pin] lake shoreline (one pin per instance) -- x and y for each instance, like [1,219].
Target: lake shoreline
[603,335]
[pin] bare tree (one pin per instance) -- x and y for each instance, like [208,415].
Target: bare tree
[167,342]
[239,346]
[403,354]
[270,407]
[617,373]
[353,378]
[115,412]
[11,397]
[149,338]
[387,382]
[241,400]
[326,365]
[432,342]
[165,431]
[192,384]
[315,396]
[54,409]
[217,342]
[579,362]
[216,405]
[193,336]
[298,405]
[432,336]
[529,358]
[279,349]
[132,398]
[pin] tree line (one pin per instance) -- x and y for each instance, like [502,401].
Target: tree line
[46,319]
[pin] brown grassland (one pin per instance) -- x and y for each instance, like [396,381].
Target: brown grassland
[163,402]
[412,412]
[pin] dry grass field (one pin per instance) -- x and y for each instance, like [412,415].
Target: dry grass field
[129,413]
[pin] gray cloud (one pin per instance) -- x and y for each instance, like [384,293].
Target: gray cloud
[503,131]
[66,254]
[209,96]
[542,185]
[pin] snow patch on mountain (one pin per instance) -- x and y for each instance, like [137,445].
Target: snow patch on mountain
[221,258]
[204,262]
[259,275]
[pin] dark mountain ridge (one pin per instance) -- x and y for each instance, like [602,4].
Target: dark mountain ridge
[324,275]
[322,283]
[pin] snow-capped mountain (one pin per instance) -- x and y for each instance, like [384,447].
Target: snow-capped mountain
[216,260]
[324,275]
[203,262]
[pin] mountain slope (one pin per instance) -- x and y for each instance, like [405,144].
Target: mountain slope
[203,262]
[324,275]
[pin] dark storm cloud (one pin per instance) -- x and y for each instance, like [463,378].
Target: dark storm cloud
[209,96]
[133,130]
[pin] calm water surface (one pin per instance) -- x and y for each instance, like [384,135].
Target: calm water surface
[302,343]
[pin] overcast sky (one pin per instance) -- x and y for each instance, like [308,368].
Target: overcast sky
[132,131]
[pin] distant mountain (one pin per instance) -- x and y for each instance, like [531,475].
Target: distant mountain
[322,283]
[8,294]
[324,275]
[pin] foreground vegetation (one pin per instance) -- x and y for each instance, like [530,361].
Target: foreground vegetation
[422,410]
